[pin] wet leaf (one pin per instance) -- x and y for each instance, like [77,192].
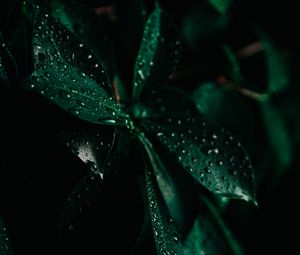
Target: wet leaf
[52,42]
[76,93]
[93,30]
[78,200]
[169,100]
[63,76]
[5,245]
[159,53]
[221,6]
[164,180]
[166,237]
[210,154]
[91,143]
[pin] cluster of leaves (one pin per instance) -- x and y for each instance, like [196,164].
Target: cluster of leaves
[181,138]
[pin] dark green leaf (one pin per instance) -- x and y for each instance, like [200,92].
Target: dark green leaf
[203,238]
[166,237]
[221,6]
[78,200]
[165,182]
[209,153]
[92,29]
[277,66]
[202,26]
[5,245]
[68,76]
[52,43]
[224,107]
[76,93]
[159,53]
[169,101]
[278,136]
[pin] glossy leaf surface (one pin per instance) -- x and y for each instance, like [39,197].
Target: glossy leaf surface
[166,237]
[67,78]
[210,154]
[159,53]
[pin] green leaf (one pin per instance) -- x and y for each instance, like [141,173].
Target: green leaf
[168,101]
[52,42]
[164,180]
[278,136]
[277,66]
[203,238]
[159,53]
[68,76]
[221,6]
[78,200]
[5,245]
[210,154]
[166,237]
[76,93]
[224,107]
[93,30]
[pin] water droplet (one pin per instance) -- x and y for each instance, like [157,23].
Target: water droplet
[140,72]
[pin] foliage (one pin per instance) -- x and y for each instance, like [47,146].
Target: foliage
[186,142]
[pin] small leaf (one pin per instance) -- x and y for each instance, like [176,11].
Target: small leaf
[80,198]
[221,6]
[159,53]
[166,237]
[169,100]
[209,153]
[5,245]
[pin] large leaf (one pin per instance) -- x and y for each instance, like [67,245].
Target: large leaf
[5,245]
[210,154]
[166,237]
[159,53]
[52,42]
[68,76]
